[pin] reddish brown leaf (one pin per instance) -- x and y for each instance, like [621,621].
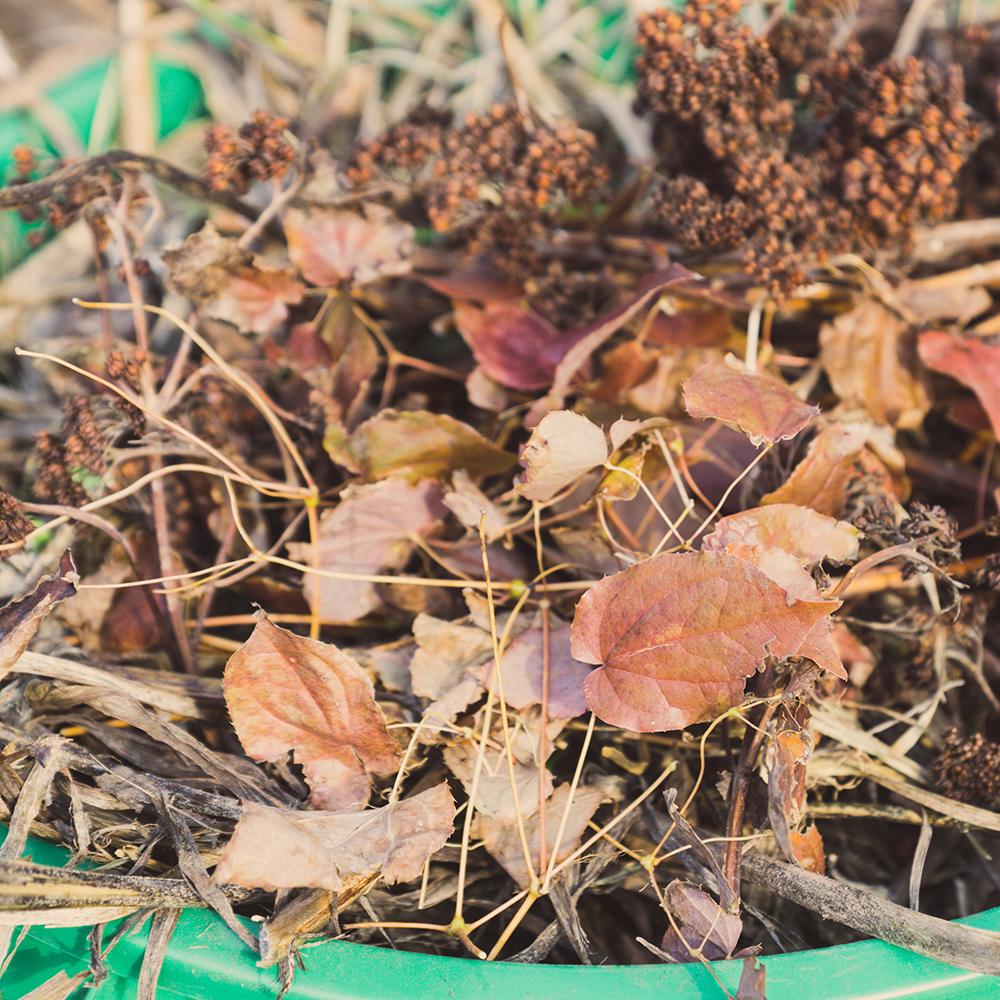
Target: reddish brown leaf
[763,408]
[331,246]
[514,345]
[563,447]
[870,358]
[788,755]
[522,665]
[503,841]
[288,693]
[809,536]
[415,445]
[287,848]
[229,283]
[679,634]
[19,620]
[819,480]
[971,361]
[370,530]
[808,850]
[700,930]
[589,338]
[751,985]
[788,573]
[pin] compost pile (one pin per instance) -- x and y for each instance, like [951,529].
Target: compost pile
[482,541]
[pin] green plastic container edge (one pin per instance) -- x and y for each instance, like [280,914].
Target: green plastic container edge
[177,98]
[205,961]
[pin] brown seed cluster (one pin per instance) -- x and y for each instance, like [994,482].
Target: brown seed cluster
[968,769]
[495,182]
[13,524]
[79,445]
[866,153]
[259,151]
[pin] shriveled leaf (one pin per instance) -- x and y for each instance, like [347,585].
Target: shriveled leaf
[971,361]
[810,536]
[467,502]
[622,430]
[789,574]
[522,666]
[286,848]
[332,246]
[495,796]
[763,408]
[679,634]
[701,929]
[870,357]
[788,754]
[445,651]
[819,481]
[751,985]
[562,448]
[19,620]
[935,304]
[415,445]
[370,530]
[229,283]
[286,693]
[355,357]
[807,849]
[503,841]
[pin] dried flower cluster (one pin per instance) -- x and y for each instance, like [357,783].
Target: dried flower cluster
[968,769]
[869,152]
[80,445]
[259,151]
[13,524]
[497,181]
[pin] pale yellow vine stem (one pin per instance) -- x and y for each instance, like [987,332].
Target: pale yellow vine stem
[732,486]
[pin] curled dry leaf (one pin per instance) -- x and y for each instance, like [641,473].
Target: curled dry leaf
[971,361]
[332,246]
[820,480]
[679,634]
[445,651]
[870,357]
[467,502]
[415,445]
[286,693]
[286,848]
[19,620]
[763,408]
[231,284]
[371,529]
[700,928]
[808,535]
[503,840]
[563,447]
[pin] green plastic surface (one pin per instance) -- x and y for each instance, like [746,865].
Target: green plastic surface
[205,961]
[177,100]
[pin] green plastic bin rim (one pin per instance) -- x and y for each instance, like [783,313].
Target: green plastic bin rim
[206,961]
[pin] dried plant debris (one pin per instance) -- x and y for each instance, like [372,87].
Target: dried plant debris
[478,537]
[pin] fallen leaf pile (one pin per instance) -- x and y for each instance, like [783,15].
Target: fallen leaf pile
[467,549]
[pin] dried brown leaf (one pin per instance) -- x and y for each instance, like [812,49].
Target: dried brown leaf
[286,693]
[808,535]
[971,361]
[870,357]
[286,848]
[700,930]
[371,529]
[763,408]
[563,447]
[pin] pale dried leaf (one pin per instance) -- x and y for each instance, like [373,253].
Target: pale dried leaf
[495,796]
[286,848]
[562,448]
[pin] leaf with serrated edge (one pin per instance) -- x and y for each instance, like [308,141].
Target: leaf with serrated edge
[286,693]
[808,535]
[679,634]
[764,409]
